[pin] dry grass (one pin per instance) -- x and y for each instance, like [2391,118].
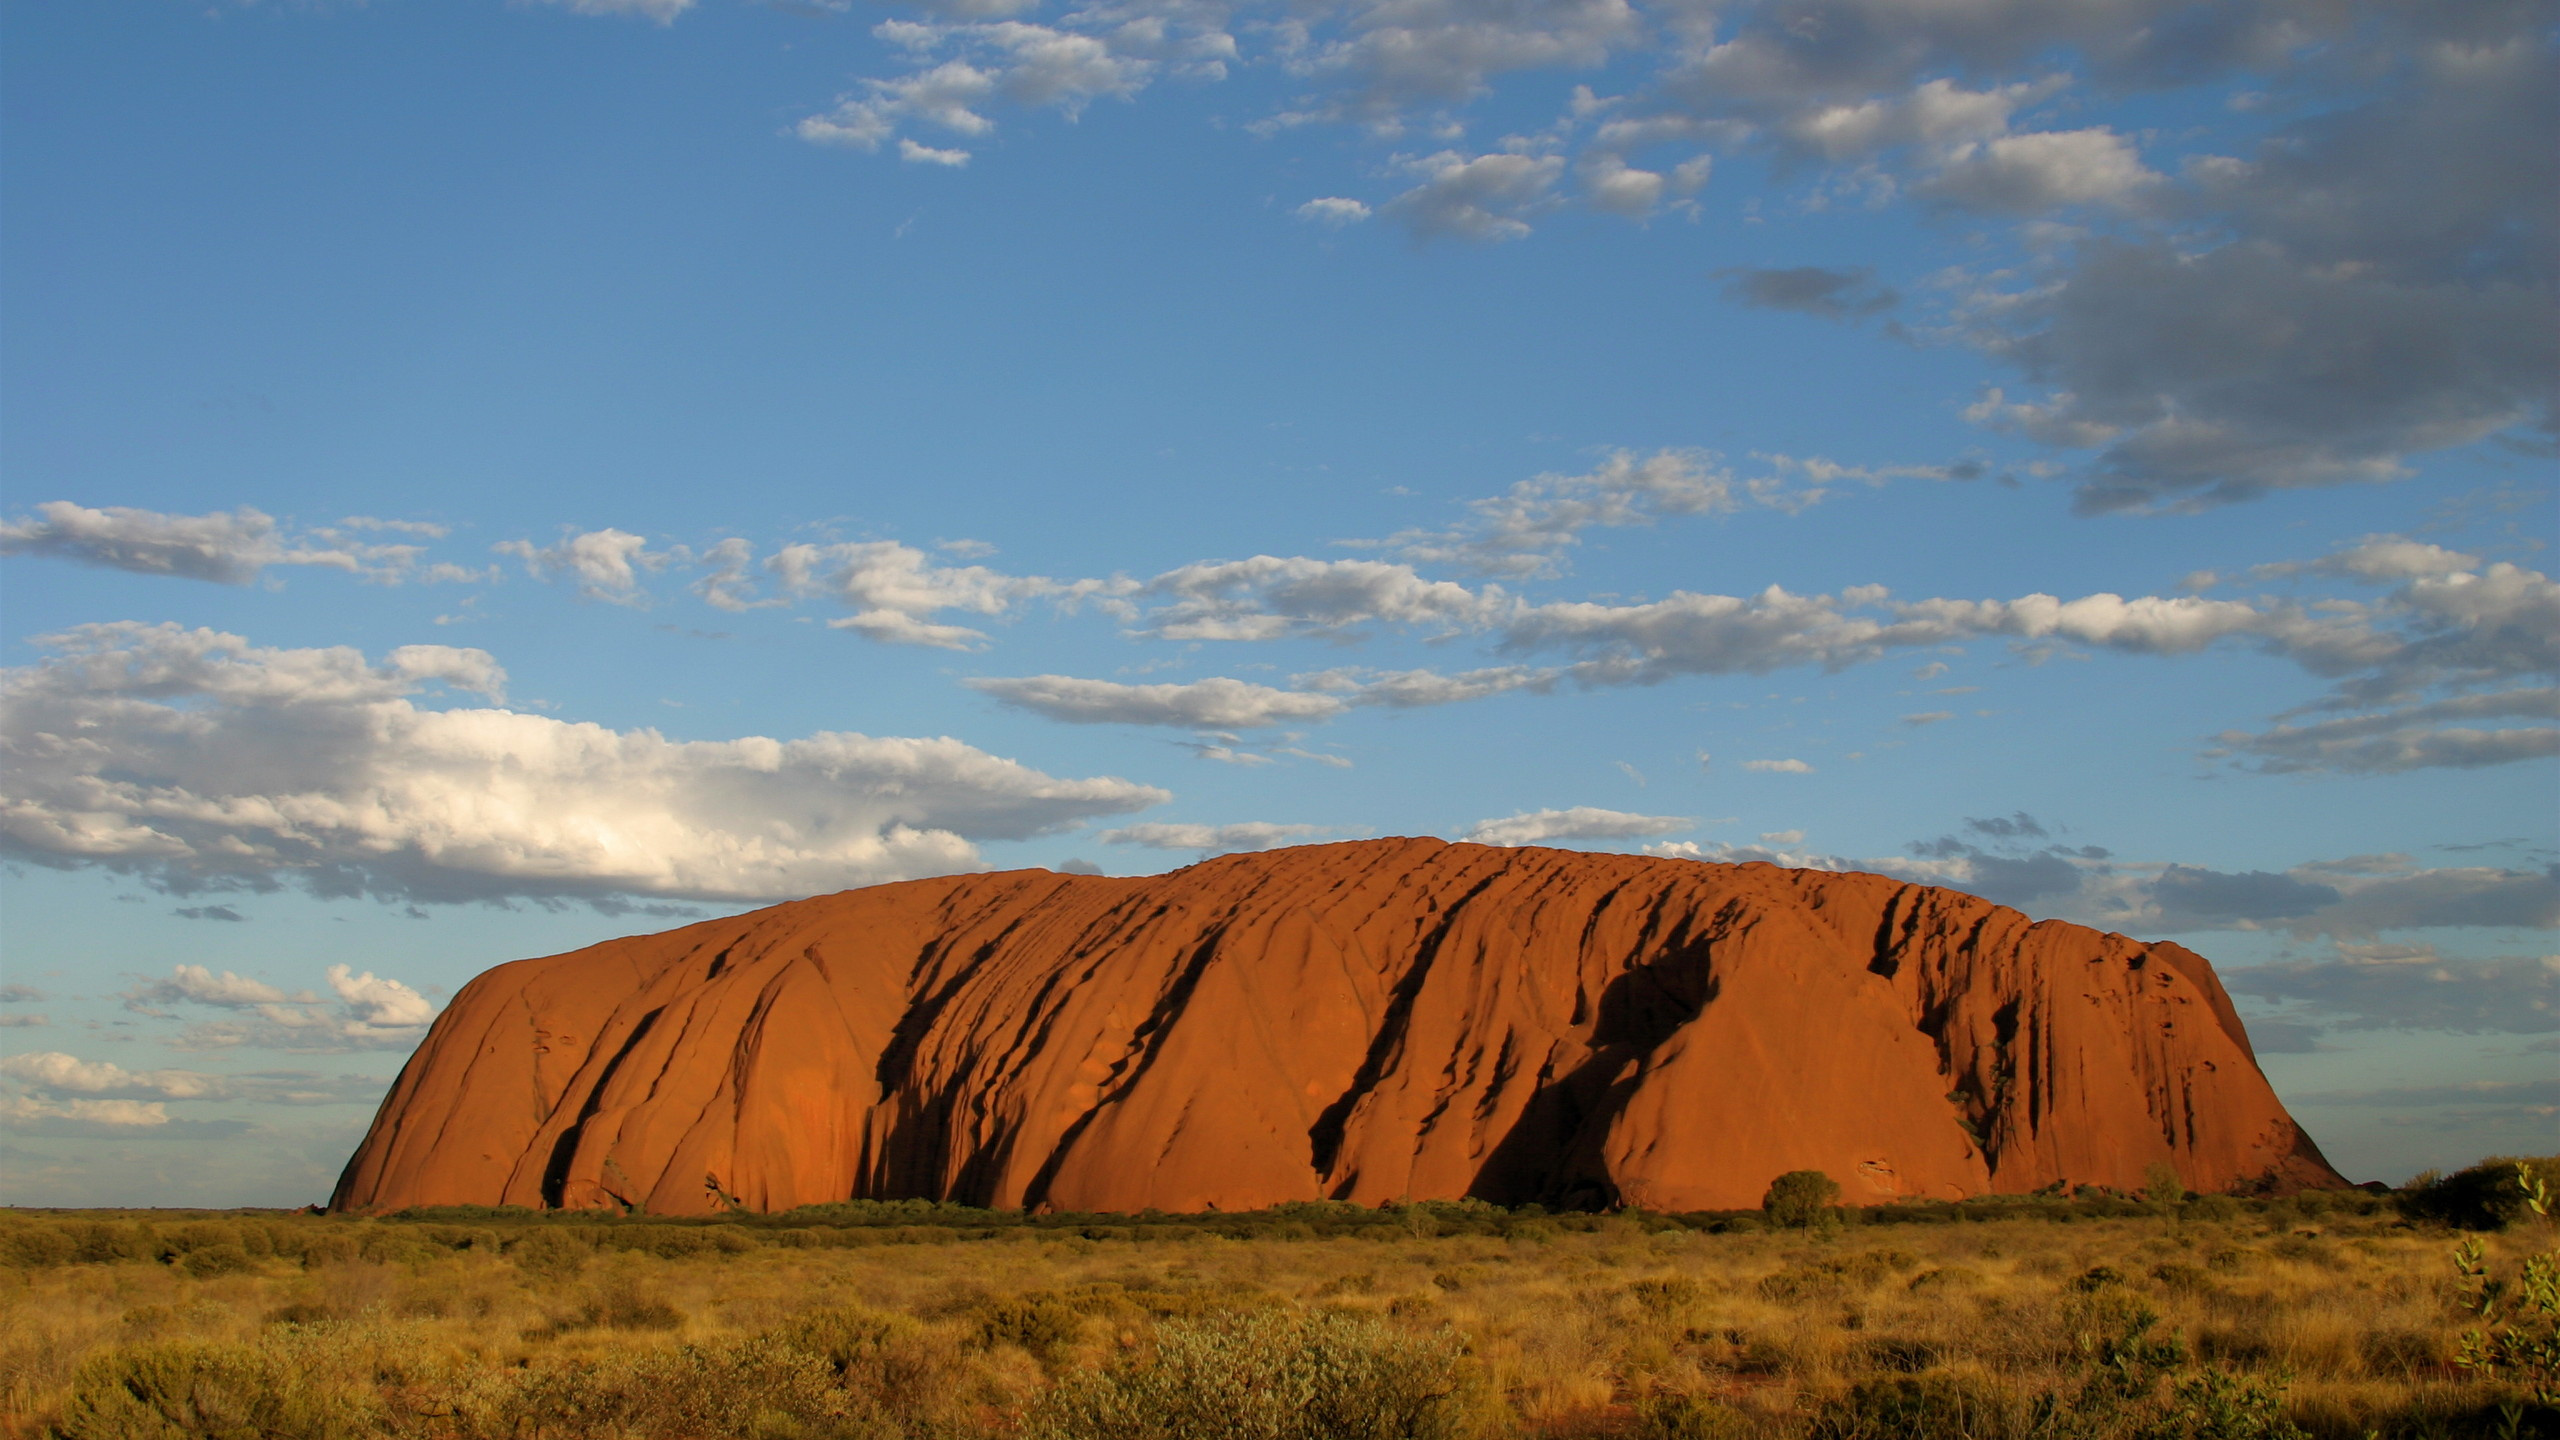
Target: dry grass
[1618,1329]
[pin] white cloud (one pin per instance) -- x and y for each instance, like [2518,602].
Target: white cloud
[2409,737]
[198,760]
[894,589]
[1581,822]
[1475,197]
[724,584]
[368,1012]
[1525,531]
[198,985]
[2033,173]
[1520,532]
[1039,66]
[1782,837]
[2213,373]
[1928,717]
[2197,334]
[53,1075]
[1403,52]
[227,548]
[915,154]
[1218,703]
[1778,767]
[1268,597]
[1246,835]
[54,1071]
[606,564]
[122,1114]
[1333,210]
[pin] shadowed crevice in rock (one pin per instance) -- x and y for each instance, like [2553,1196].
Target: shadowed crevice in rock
[555,1174]
[1366,1021]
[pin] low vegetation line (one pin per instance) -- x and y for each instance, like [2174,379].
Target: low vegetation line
[2430,1312]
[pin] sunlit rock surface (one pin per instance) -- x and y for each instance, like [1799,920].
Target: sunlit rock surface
[1364,1021]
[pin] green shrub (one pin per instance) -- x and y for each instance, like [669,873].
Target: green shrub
[36,1246]
[2210,1208]
[1928,1407]
[1040,1325]
[623,1305]
[1801,1199]
[2487,1196]
[2223,1405]
[1263,1375]
[220,1259]
[751,1388]
[550,1254]
[100,1243]
[187,1391]
[890,1365]
[1689,1417]
[1819,1279]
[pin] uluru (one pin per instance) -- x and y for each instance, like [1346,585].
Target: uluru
[1367,1021]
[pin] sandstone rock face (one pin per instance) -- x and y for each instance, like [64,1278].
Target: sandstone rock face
[1365,1021]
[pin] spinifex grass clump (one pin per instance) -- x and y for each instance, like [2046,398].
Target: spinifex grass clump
[2090,1317]
[1264,1375]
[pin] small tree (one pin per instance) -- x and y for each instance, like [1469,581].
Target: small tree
[1800,1199]
[2161,1185]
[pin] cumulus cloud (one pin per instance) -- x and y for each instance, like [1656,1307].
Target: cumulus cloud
[605,564]
[82,1117]
[52,1073]
[1247,835]
[198,985]
[1525,531]
[1333,210]
[2366,283]
[1218,703]
[362,1011]
[2383,286]
[200,761]
[2410,737]
[1581,822]
[2213,895]
[1475,197]
[227,548]
[1411,689]
[965,68]
[2377,986]
[2475,634]
[2350,900]
[1270,597]
[2034,173]
[1811,290]
[1778,767]
[895,590]
[1398,53]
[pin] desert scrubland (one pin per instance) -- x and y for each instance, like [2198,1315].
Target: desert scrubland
[2101,1316]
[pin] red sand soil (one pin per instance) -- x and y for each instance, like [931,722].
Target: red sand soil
[1368,1021]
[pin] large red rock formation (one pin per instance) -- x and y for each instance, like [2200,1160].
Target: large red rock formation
[1366,1021]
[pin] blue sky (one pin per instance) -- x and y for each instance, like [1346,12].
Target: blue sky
[484,478]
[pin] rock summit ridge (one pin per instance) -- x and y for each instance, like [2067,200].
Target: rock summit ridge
[1366,1021]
